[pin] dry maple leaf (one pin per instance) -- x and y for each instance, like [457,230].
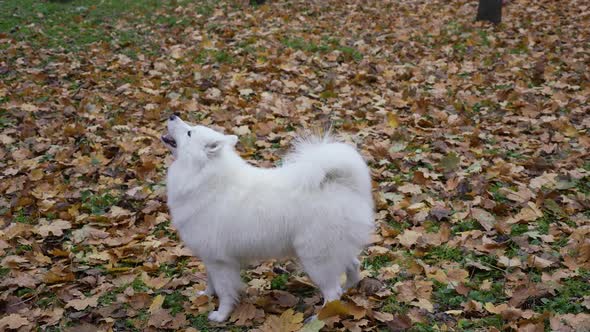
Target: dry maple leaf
[243,314]
[339,308]
[289,321]
[81,304]
[55,227]
[13,321]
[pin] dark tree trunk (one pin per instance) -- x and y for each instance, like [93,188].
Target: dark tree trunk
[489,10]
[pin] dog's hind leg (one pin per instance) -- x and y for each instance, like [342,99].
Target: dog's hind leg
[227,283]
[210,289]
[352,274]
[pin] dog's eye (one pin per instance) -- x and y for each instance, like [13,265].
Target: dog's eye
[188,133]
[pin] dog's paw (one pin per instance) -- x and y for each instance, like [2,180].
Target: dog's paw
[205,292]
[217,316]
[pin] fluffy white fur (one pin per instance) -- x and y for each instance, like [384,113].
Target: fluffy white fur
[317,207]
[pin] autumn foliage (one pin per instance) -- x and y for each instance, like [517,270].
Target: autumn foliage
[476,135]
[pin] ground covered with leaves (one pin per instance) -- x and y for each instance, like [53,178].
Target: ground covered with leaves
[477,138]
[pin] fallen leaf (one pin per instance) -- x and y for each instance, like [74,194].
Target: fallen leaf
[289,321]
[81,304]
[339,308]
[13,321]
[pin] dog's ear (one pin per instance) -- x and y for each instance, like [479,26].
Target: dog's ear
[214,147]
[232,140]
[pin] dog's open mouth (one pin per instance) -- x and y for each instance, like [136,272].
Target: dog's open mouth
[169,140]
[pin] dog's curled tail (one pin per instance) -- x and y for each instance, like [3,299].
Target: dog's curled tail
[321,160]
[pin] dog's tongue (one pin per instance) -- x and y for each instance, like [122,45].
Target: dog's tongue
[169,140]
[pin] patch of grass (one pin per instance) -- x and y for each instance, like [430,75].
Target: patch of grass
[569,298]
[494,189]
[173,269]
[139,286]
[494,295]
[485,322]
[514,155]
[518,229]
[24,292]
[22,218]
[279,282]
[48,299]
[107,298]
[5,120]
[201,323]
[97,204]
[222,57]
[392,305]
[174,301]
[443,253]
[327,44]
[350,52]
[376,263]
[465,226]
[4,271]
[163,229]
[431,226]
[422,327]
[23,248]
[583,185]
[446,298]
[544,223]
[73,24]
[217,56]
[299,43]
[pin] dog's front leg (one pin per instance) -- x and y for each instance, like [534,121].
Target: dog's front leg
[226,278]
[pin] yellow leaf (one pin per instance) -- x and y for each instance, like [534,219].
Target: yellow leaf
[289,321]
[339,308]
[36,174]
[392,120]
[156,304]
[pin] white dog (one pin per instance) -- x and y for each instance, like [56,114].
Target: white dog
[317,207]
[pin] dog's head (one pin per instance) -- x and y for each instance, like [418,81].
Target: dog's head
[197,144]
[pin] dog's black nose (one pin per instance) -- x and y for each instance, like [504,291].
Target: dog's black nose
[174,116]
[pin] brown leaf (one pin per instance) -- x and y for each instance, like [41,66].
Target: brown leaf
[383,316]
[81,304]
[13,321]
[485,219]
[399,323]
[243,314]
[55,227]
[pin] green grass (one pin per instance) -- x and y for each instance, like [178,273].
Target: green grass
[279,282]
[569,296]
[201,323]
[139,286]
[518,229]
[447,298]
[98,203]
[164,229]
[465,226]
[392,305]
[376,263]
[4,271]
[494,295]
[443,253]
[77,23]
[477,324]
[324,46]
[174,301]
